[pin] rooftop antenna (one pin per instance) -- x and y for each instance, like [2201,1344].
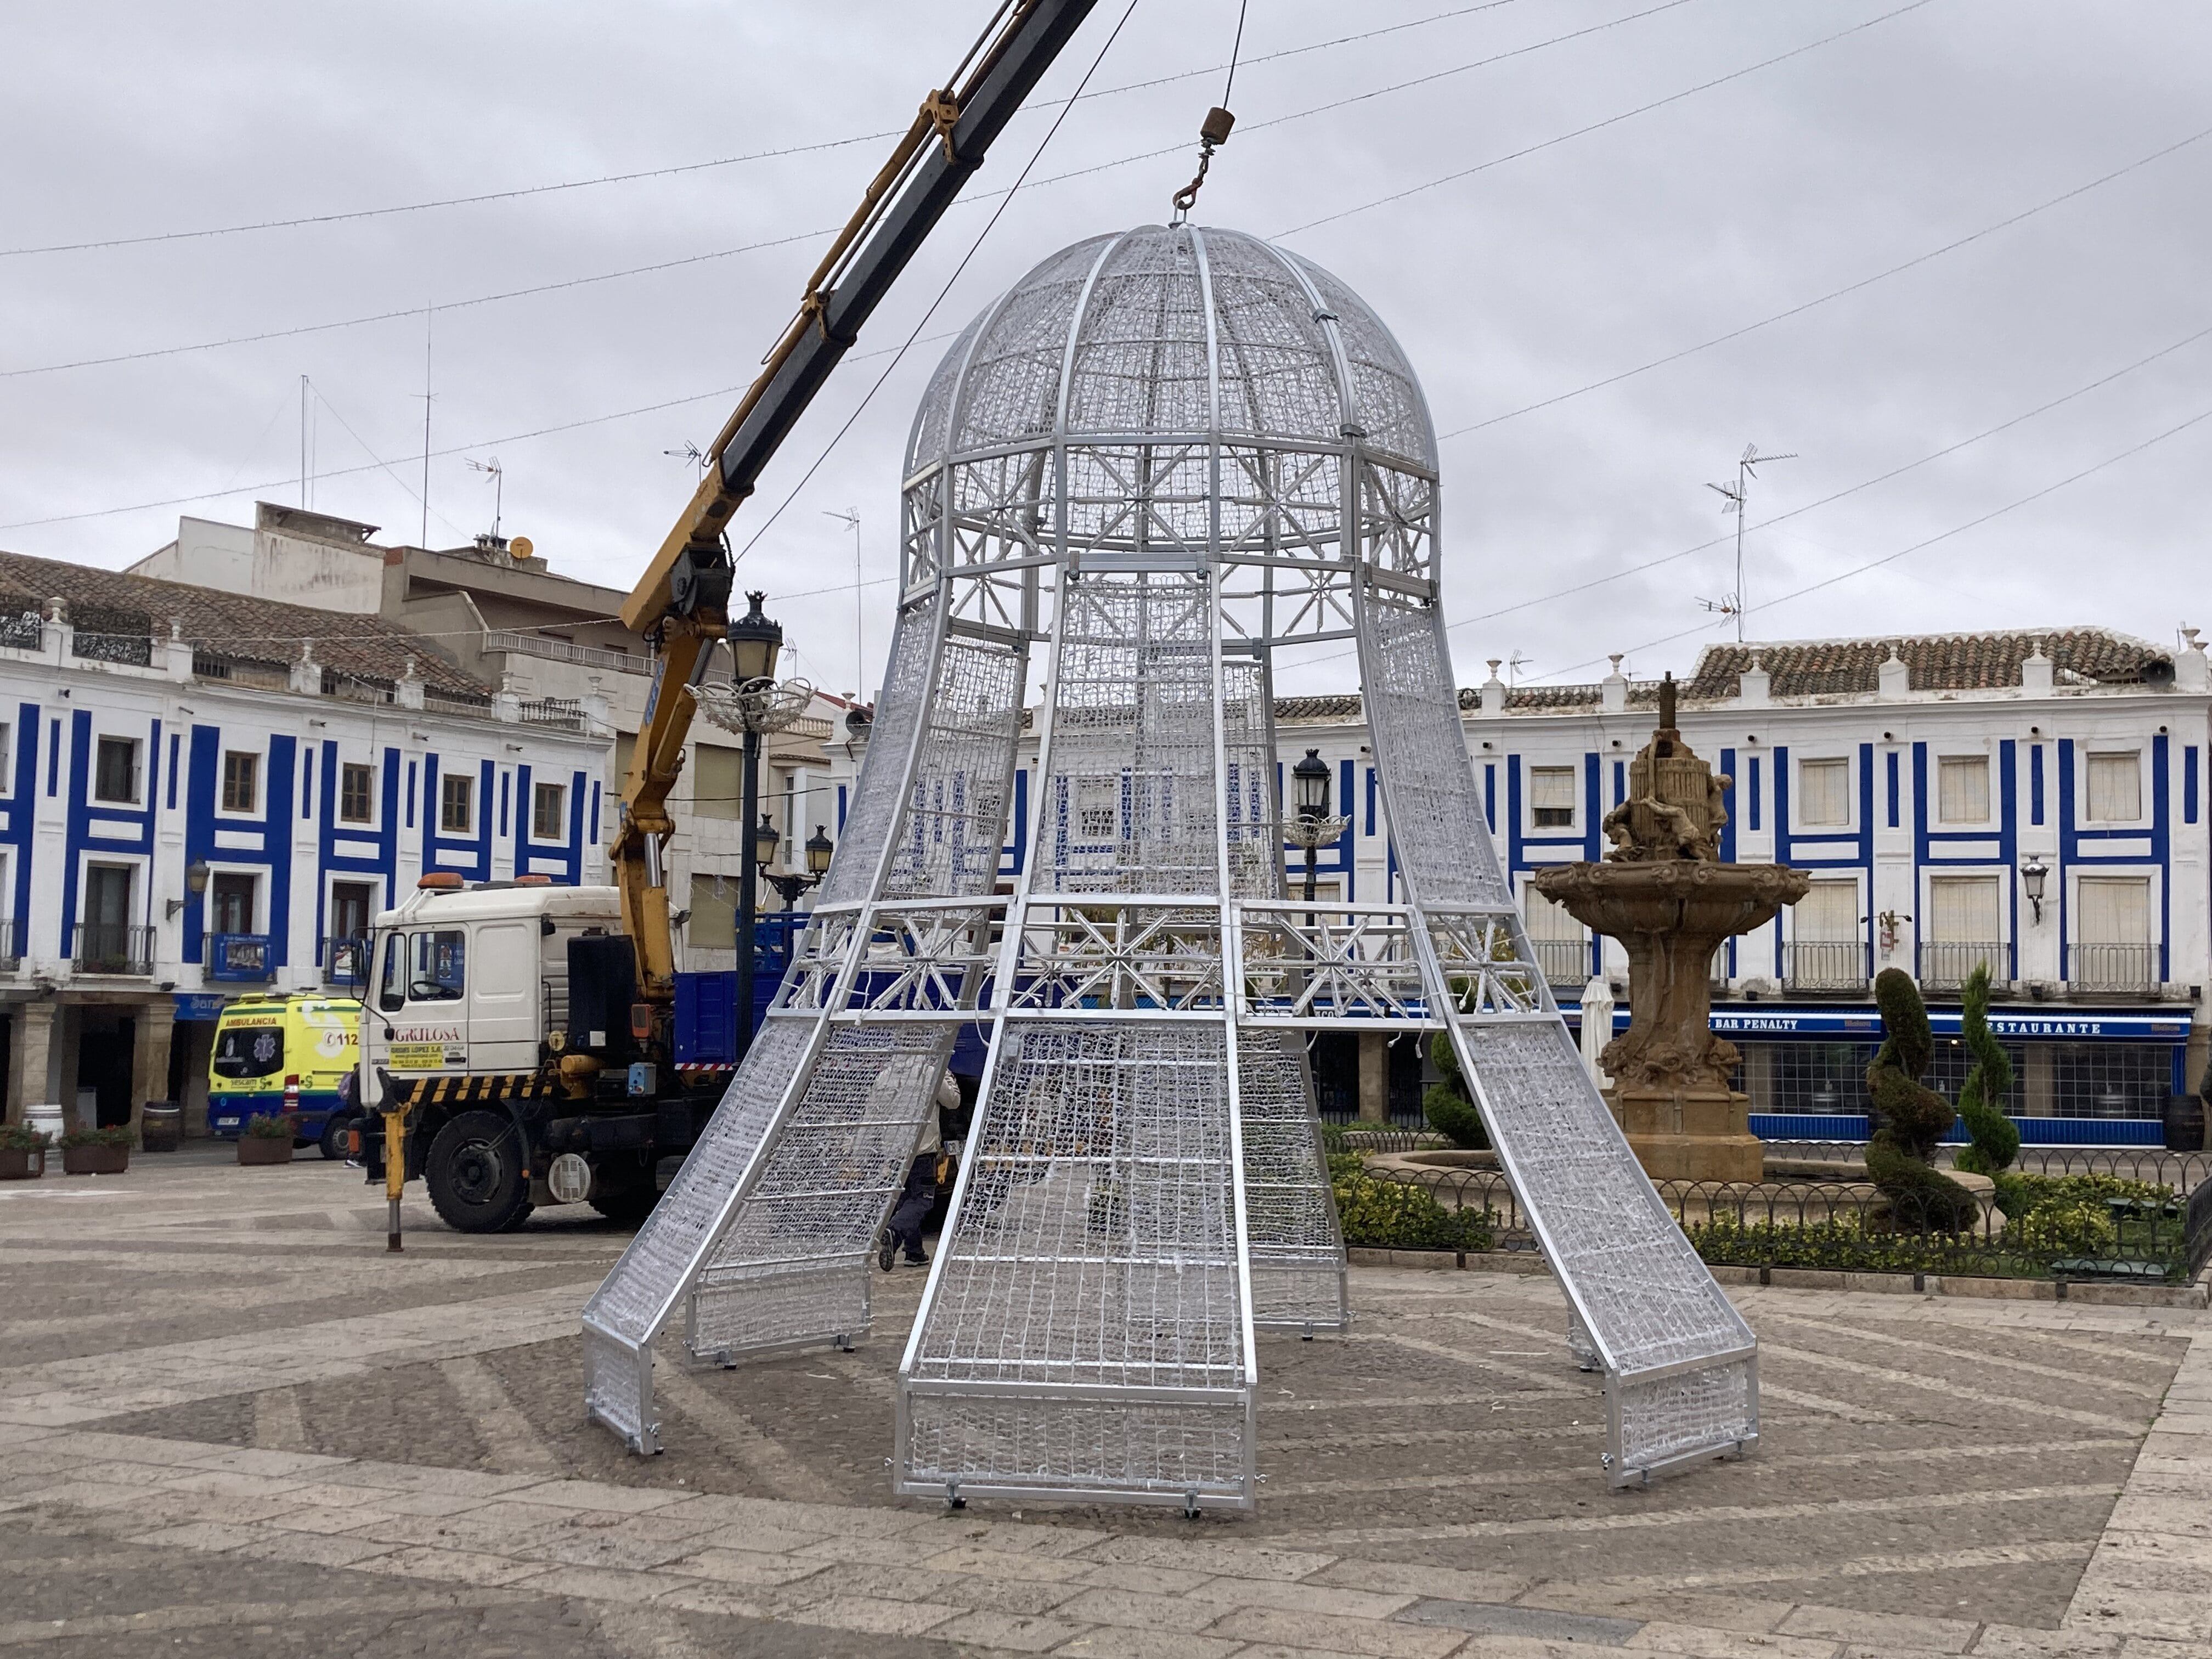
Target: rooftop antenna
[850,517]
[1746,469]
[498,488]
[1514,665]
[303,443]
[425,540]
[691,453]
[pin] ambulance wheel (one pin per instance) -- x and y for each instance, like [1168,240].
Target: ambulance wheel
[475,1174]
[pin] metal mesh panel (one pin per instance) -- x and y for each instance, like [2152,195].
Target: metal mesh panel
[955,822]
[1129,803]
[1094,1248]
[1682,1414]
[877,795]
[1421,751]
[635,1297]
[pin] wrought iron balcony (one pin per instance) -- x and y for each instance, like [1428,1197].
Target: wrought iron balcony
[1566,961]
[245,958]
[2128,969]
[1945,964]
[13,933]
[344,959]
[1829,965]
[112,947]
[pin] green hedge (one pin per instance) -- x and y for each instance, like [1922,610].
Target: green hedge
[1394,1215]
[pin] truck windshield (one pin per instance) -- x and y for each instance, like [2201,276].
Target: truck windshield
[249,1051]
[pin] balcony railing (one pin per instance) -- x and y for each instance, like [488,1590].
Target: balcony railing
[1566,961]
[243,958]
[1834,965]
[561,714]
[343,960]
[12,935]
[1945,964]
[2121,968]
[112,947]
[589,656]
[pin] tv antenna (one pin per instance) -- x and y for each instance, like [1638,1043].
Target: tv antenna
[691,452]
[850,517]
[1737,493]
[1514,665]
[498,488]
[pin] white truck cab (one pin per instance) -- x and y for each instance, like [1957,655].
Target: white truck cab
[469,980]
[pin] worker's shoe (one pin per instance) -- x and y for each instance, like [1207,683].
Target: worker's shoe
[886,1249]
[916,1259]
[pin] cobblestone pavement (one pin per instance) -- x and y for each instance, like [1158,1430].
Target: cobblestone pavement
[230,1424]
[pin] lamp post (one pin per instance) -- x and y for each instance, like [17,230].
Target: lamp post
[754,641]
[819,846]
[1311,827]
[2033,875]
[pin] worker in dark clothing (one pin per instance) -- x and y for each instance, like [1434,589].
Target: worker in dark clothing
[919,1197]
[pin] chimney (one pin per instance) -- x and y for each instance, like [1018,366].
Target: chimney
[1753,685]
[1896,682]
[1613,689]
[2191,670]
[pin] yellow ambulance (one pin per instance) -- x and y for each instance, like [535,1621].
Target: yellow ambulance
[278,1053]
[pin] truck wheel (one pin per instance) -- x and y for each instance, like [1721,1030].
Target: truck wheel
[629,1207]
[332,1144]
[474,1173]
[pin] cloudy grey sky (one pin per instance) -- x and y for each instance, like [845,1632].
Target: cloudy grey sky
[1520,281]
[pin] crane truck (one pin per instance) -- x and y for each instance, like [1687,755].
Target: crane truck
[519,1039]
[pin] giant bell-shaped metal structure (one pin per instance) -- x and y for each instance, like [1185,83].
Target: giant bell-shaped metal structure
[1162,456]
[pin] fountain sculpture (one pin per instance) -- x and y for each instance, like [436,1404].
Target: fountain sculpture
[1664,894]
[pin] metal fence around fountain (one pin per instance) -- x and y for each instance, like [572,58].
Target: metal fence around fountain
[1843,1226]
[2182,1172]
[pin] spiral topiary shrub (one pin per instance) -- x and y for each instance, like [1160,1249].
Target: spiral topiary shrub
[1981,1097]
[1913,1116]
[1448,1106]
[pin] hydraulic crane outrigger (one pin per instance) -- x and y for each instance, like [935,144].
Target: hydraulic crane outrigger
[682,602]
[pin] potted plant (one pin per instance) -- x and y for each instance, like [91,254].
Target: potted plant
[96,1151]
[22,1152]
[267,1138]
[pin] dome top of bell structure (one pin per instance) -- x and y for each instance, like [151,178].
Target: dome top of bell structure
[1175,333]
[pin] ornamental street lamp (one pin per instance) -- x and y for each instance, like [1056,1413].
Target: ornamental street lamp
[819,846]
[2033,875]
[752,703]
[1312,827]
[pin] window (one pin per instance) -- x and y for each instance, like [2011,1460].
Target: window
[548,811]
[714,924]
[1824,791]
[1097,808]
[436,964]
[1828,915]
[393,995]
[1963,909]
[115,770]
[356,793]
[241,781]
[718,788]
[1962,789]
[105,936]
[2116,788]
[456,804]
[249,1051]
[230,902]
[2112,910]
[1548,921]
[1552,796]
[4,735]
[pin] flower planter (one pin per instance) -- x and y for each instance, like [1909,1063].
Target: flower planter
[264,1149]
[21,1163]
[95,1160]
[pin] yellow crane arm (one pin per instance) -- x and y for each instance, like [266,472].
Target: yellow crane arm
[682,602]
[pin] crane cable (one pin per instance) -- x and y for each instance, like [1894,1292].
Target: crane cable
[1213,132]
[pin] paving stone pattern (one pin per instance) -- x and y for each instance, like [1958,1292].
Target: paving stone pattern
[230,1424]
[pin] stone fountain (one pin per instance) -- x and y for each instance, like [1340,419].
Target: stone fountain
[1664,893]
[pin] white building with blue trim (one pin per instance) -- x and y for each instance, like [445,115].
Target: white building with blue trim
[204,792]
[2035,800]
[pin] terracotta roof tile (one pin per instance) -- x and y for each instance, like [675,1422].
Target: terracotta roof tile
[236,627]
[1939,662]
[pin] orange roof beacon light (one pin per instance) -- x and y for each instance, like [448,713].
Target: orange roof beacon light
[441,881]
[533,881]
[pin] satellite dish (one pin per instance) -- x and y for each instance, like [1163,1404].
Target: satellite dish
[521,547]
